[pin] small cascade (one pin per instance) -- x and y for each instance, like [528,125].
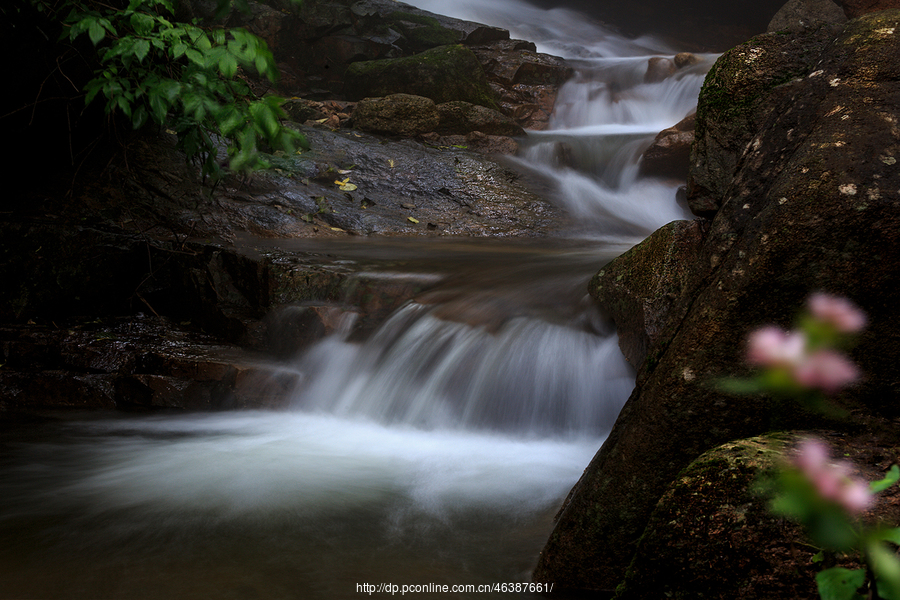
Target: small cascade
[531,376]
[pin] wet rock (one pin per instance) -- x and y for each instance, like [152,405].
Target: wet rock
[293,327]
[810,202]
[461,118]
[128,363]
[487,144]
[443,74]
[686,59]
[743,92]
[669,154]
[639,288]
[402,115]
[798,15]
[659,68]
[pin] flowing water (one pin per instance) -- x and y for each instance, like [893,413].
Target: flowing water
[435,452]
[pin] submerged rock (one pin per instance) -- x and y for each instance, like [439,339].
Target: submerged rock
[796,160]
[669,154]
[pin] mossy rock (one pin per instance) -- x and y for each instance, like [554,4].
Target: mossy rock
[739,93]
[422,31]
[639,288]
[444,74]
[713,536]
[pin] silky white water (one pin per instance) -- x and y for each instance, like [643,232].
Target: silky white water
[435,451]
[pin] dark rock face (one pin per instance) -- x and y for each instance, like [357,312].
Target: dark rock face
[443,74]
[741,93]
[798,151]
[799,15]
[640,287]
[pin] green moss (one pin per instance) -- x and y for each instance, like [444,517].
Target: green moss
[425,31]
[443,74]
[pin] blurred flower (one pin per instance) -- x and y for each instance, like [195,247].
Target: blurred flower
[841,313]
[832,480]
[804,357]
[773,347]
[825,370]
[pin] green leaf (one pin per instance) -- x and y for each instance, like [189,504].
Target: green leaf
[232,120]
[890,479]
[139,118]
[194,56]
[839,583]
[888,535]
[264,118]
[124,105]
[96,32]
[159,105]
[228,65]
[178,49]
[141,48]
[142,23]
[886,567]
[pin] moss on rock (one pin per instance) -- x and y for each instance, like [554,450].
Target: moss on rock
[443,74]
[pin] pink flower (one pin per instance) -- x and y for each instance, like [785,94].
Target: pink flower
[825,370]
[841,313]
[832,480]
[774,347]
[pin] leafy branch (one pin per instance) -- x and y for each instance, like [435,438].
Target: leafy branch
[182,77]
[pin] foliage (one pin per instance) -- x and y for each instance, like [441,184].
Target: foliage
[181,76]
[812,489]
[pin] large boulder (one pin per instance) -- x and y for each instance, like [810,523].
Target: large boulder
[443,74]
[713,519]
[807,187]
[740,94]
[798,15]
[639,288]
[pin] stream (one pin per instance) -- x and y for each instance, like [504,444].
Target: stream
[435,452]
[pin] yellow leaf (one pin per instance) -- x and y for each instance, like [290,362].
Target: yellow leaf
[391,163]
[412,220]
[336,229]
[345,185]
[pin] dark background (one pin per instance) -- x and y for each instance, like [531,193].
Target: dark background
[700,25]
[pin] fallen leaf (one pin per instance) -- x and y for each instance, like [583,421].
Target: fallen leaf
[412,220]
[345,185]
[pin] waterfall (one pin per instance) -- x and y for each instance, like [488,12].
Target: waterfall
[435,451]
